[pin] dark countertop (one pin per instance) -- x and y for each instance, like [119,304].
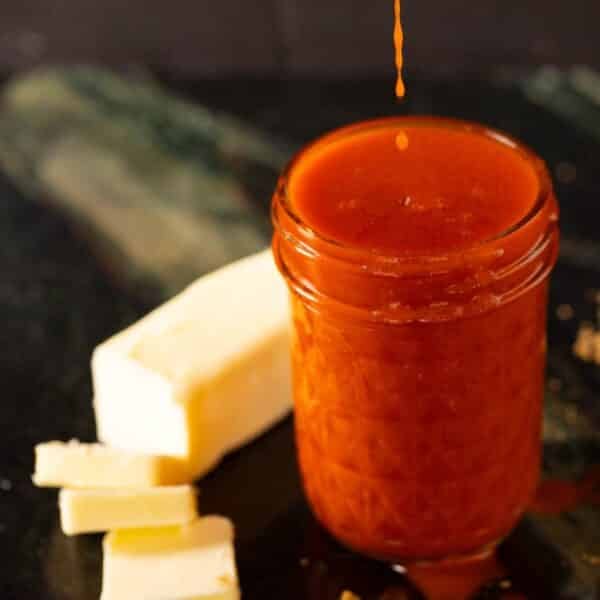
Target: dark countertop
[57,301]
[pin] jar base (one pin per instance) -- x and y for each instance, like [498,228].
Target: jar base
[401,560]
[452,560]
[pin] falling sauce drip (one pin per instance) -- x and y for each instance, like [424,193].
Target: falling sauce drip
[399,43]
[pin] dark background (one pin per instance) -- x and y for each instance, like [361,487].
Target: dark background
[341,38]
[58,300]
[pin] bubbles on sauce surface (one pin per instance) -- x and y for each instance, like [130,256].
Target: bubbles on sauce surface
[418,205]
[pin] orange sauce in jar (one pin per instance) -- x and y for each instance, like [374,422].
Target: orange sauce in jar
[417,252]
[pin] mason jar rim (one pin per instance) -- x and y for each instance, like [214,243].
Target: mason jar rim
[307,235]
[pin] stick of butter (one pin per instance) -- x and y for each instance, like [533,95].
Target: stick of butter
[203,374]
[73,464]
[92,511]
[195,561]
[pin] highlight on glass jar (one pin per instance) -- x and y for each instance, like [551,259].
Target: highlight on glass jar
[417,252]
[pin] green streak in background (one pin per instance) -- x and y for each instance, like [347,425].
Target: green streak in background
[164,190]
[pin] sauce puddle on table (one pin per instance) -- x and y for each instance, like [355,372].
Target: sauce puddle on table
[462,579]
[556,496]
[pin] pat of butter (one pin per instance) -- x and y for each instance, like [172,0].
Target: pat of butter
[73,464]
[195,561]
[92,511]
[203,374]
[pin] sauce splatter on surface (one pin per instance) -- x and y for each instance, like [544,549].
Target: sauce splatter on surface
[457,580]
[556,496]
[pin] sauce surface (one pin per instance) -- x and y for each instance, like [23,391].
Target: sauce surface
[416,189]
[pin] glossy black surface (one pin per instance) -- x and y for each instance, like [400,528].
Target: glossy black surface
[57,302]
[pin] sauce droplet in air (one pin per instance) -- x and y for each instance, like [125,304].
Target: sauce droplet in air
[399,43]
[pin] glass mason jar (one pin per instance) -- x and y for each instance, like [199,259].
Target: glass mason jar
[418,380]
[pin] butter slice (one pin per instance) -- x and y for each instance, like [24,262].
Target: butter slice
[73,464]
[203,374]
[92,511]
[195,561]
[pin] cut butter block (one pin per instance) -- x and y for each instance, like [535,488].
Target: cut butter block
[73,464]
[91,511]
[195,561]
[203,374]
